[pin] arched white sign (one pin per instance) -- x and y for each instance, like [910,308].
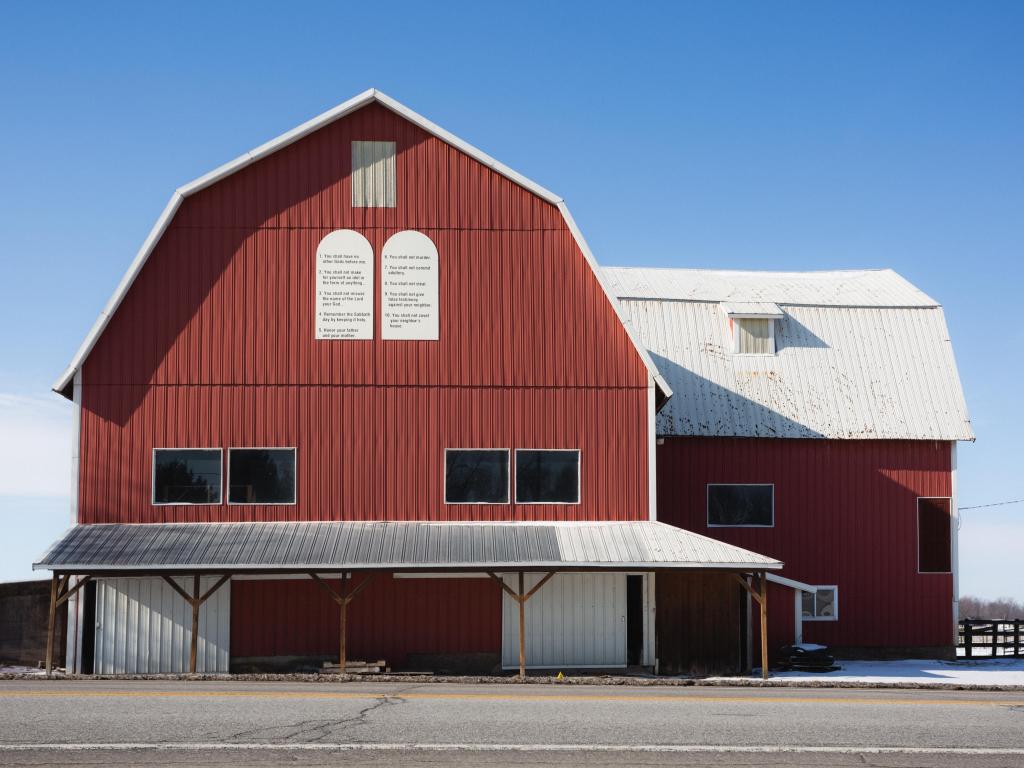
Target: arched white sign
[409,287]
[344,286]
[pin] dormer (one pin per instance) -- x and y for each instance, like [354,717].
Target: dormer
[753,326]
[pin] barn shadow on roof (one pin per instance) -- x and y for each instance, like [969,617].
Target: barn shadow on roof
[791,333]
[702,407]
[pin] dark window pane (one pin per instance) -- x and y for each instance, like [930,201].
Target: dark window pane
[934,553]
[186,476]
[476,477]
[740,504]
[261,476]
[807,604]
[547,477]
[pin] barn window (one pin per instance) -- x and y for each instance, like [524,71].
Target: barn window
[261,476]
[186,475]
[934,542]
[547,476]
[751,505]
[755,336]
[476,476]
[820,605]
[373,174]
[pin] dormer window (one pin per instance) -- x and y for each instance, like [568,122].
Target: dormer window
[753,326]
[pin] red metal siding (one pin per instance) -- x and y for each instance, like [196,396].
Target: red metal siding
[390,619]
[214,346]
[363,453]
[845,514]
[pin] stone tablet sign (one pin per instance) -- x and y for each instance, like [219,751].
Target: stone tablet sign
[344,286]
[409,287]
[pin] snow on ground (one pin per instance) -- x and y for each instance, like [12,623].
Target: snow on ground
[16,670]
[965,671]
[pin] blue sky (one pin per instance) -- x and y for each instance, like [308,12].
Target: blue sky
[736,135]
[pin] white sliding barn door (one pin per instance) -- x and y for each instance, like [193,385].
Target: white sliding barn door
[144,627]
[575,620]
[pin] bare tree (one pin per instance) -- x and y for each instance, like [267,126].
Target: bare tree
[1001,608]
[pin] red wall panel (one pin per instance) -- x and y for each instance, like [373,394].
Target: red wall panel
[845,514]
[214,345]
[390,619]
[363,453]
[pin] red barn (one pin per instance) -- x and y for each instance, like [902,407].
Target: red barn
[365,392]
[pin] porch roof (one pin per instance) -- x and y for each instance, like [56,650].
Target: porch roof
[391,546]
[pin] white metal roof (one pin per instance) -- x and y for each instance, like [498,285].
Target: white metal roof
[409,546]
[358,102]
[836,288]
[860,355]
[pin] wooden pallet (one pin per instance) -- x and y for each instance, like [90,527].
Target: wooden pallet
[357,667]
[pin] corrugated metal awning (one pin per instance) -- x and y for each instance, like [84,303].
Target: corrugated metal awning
[391,546]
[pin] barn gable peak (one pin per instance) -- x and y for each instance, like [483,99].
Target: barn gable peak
[63,385]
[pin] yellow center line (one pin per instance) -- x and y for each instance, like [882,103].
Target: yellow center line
[658,698]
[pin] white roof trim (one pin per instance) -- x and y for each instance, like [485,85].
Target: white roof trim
[763,310]
[357,102]
[776,579]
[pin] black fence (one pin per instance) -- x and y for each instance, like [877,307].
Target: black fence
[986,638]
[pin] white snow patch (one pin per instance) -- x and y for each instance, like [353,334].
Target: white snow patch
[966,671]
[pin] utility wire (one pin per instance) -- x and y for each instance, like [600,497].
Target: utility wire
[994,504]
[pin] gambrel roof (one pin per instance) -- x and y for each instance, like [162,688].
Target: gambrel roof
[63,384]
[860,355]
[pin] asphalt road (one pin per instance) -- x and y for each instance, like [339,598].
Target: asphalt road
[211,723]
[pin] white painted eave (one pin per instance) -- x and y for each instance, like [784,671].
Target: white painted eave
[357,102]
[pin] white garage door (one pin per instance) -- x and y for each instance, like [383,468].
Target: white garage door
[144,626]
[575,620]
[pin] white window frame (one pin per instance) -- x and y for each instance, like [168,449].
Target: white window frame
[295,463]
[152,479]
[707,507]
[736,335]
[508,478]
[579,479]
[393,168]
[835,604]
[917,527]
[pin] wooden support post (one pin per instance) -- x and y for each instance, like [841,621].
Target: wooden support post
[195,601]
[53,620]
[343,625]
[194,646]
[522,629]
[342,599]
[761,596]
[764,625]
[521,597]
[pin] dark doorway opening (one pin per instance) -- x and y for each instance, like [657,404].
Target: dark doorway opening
[88,628]
[634,619]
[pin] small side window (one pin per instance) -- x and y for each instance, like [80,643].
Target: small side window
[751,505]
[820,605]
[934,539]
[261,476]
[476,476]
[186,476]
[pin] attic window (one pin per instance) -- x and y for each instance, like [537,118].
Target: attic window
[753,326]
[373,174]
[754,336]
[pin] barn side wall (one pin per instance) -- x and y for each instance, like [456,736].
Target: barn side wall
[845,514]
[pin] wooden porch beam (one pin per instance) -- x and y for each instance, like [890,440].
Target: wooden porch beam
[764,624]
[69,592]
